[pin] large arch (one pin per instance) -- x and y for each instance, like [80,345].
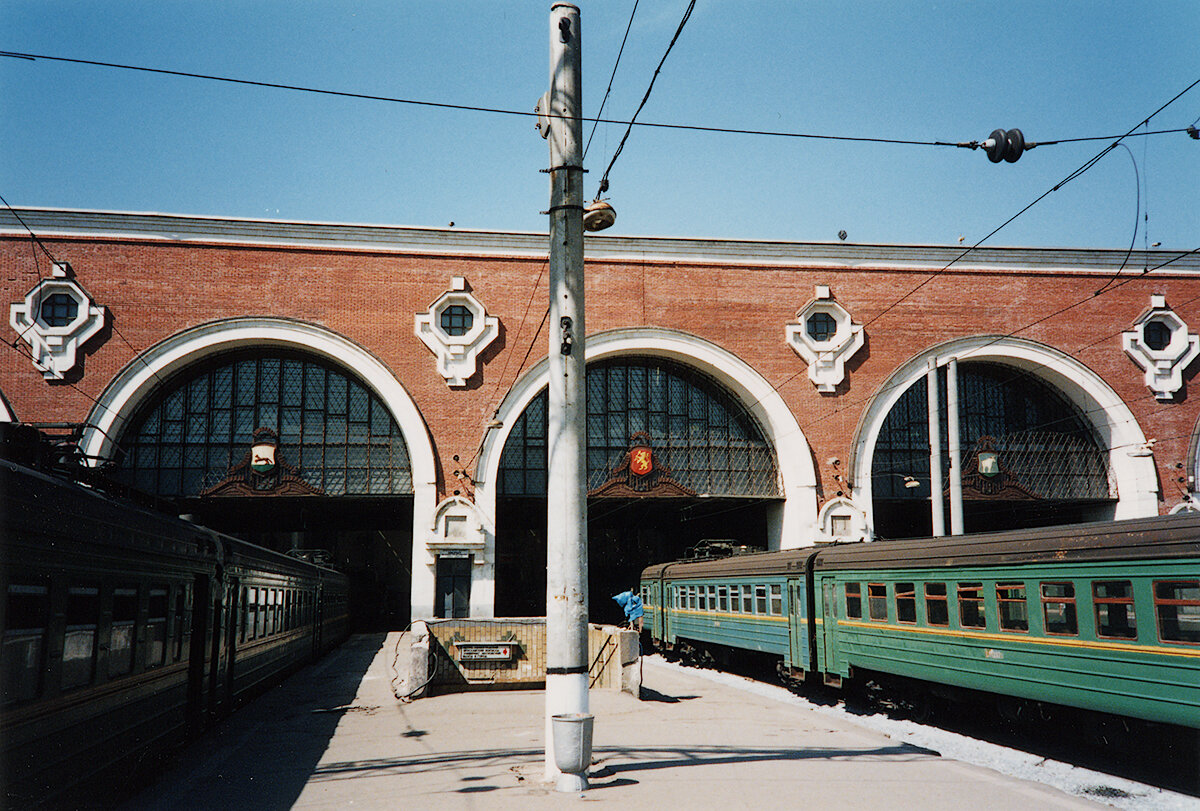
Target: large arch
[121,398]
[1110,417]
[789,525]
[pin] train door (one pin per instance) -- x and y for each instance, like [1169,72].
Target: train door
[218,661]
[798,624]
[233,611]
[658,616]
[198,687]
[827,648]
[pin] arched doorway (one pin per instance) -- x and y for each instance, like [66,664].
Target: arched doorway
[1029,456]
[336,480]
[178,413]
[673,459]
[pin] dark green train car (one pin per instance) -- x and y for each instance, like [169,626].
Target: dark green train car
[1103,617]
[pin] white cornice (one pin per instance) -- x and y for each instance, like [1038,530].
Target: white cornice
[176,228]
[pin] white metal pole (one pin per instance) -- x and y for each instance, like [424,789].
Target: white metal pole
[936,500]
[566,522]
[952,439]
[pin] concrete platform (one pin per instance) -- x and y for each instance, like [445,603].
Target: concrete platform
[333,736]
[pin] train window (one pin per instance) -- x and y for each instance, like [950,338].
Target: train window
[79,641]
[26,610]
[906,602]
[1010,602]
[702,599]
[970,605]
[249,613]
[747,600]
[877,602]
[260,622]
[760,599]
[723,598]
[854,600]
[1115,615]
[1058,607]
[937,609]
[122,633]
[156,628]
[1178,606]
[712,598]
[777,601]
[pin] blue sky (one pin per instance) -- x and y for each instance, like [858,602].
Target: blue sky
[96,138]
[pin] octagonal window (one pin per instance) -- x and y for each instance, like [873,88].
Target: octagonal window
[821,326]
[457,320]
[1157,335]
[59,310]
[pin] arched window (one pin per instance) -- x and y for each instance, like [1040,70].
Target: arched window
[699,432]
[335,431]
[1015,431]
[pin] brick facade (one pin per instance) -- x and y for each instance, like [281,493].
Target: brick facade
[159,276]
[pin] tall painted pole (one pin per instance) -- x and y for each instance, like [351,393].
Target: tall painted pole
[955,448]
[566,522]
[936,500]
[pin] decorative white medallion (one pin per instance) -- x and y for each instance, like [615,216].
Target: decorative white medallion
[457,328]
[56,318]
[825,337]
[1160,344]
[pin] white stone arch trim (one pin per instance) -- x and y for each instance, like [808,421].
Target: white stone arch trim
[790,526]
[144,374]
[1109,416]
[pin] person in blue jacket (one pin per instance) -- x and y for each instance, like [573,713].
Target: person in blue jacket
[632,605]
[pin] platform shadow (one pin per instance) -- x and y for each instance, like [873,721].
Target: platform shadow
[264,754]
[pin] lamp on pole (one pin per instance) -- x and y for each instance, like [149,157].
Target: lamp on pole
[566,494]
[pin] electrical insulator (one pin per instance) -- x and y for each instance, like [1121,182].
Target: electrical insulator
[1005,145]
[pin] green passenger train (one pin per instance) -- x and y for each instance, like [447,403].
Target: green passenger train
[1102,617]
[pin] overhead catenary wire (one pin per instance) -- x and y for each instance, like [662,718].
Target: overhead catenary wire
[611,78]
[679,30]
[534,114]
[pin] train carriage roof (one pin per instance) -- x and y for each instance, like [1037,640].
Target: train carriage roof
[1161,537]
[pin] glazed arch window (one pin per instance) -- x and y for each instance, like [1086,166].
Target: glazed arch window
[853,600]
[877,608]
[1177,604]
[1115,613]
[937,609]
[906,602]
[971,613]
[1058,609]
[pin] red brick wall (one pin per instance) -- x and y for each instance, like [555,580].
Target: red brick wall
[155,289]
